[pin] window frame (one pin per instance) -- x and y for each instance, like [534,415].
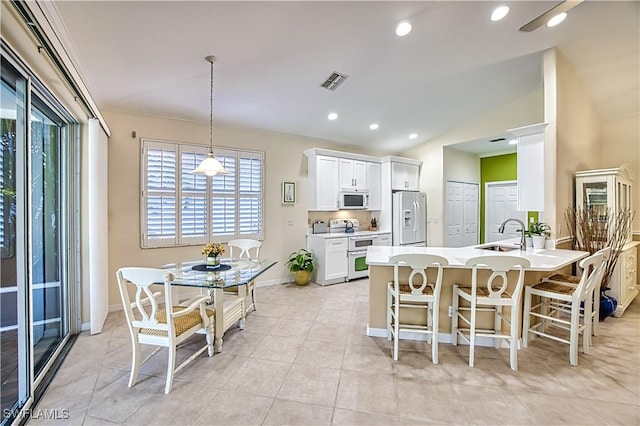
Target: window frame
[178,240]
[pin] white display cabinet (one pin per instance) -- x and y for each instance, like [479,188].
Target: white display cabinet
[609,190]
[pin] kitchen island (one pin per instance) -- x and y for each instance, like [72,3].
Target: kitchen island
[544,262]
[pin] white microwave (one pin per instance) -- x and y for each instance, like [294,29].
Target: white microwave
[353,200]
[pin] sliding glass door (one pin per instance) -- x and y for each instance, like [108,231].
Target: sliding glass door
[47,298]
[15,387]
[37,223]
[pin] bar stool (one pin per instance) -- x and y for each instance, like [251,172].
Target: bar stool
[413,295]
[560,298]
[490,298]
[573,280]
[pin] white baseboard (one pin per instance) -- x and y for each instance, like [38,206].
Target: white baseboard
[277,281]
[86,326]
[442,337]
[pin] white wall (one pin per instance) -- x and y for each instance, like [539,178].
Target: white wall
[461,166]
[571,137]
[620,144]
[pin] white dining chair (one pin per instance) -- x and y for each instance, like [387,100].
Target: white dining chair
[245,248]
[416,293]
[573,281]
[153,324]
[567,307]
[492,296]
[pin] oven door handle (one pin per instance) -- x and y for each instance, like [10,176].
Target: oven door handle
[357,253]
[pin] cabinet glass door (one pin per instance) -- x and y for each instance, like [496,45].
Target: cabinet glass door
[595,199]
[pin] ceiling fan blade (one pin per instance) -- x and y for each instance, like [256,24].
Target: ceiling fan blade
[544,18]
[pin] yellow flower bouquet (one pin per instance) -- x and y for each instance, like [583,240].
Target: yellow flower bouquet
[213,249]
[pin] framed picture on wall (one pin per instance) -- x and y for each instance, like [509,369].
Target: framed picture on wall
[288,192]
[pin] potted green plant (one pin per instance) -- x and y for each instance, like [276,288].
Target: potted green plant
[301,264]
[539,232]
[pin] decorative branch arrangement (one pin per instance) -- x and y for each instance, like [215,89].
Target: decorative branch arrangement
[594,232]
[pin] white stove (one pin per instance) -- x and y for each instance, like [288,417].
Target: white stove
[344,225]
[358,243]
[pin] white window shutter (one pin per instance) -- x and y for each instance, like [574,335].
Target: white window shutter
[250,197]
[159,216]
[180,208]
[193,197]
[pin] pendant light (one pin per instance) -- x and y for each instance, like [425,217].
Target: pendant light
[210,166]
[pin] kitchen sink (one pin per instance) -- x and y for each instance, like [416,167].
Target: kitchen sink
[499,248]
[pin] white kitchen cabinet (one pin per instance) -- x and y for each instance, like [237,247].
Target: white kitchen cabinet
[331,264]
[323,183]
[383,240]
[405,176]
[624,283]
[530,161]
[605,190]
[353,174]
[375,186]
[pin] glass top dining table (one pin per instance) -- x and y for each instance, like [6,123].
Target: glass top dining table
[229,273]
[229,308]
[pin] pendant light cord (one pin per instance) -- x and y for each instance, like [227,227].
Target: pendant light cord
[212,60]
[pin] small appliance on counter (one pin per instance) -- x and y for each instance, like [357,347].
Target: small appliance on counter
[320,227]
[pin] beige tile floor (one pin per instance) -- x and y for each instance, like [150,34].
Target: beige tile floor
[304,359]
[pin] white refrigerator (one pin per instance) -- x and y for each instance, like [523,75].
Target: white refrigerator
[409,219]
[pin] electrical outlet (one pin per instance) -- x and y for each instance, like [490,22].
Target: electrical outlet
[450,310]
[290,221]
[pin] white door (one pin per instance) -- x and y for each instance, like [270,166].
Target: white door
[454,215]
[462,214]
[471,214]
[501,203]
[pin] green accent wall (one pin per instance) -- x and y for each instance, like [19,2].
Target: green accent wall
[497,169]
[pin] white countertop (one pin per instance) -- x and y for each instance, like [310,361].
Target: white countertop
[541,259]
[345,234]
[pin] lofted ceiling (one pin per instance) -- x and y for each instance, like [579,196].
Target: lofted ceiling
[456,64]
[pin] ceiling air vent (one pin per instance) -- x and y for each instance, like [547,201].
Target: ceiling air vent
[334,80]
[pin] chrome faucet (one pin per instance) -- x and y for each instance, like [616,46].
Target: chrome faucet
[523,244]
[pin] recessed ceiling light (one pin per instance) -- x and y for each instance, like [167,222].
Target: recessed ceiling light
[499,13]
[513,141]
[403,29]
[556,19]
[374,126]
[413,135]
[332,116]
